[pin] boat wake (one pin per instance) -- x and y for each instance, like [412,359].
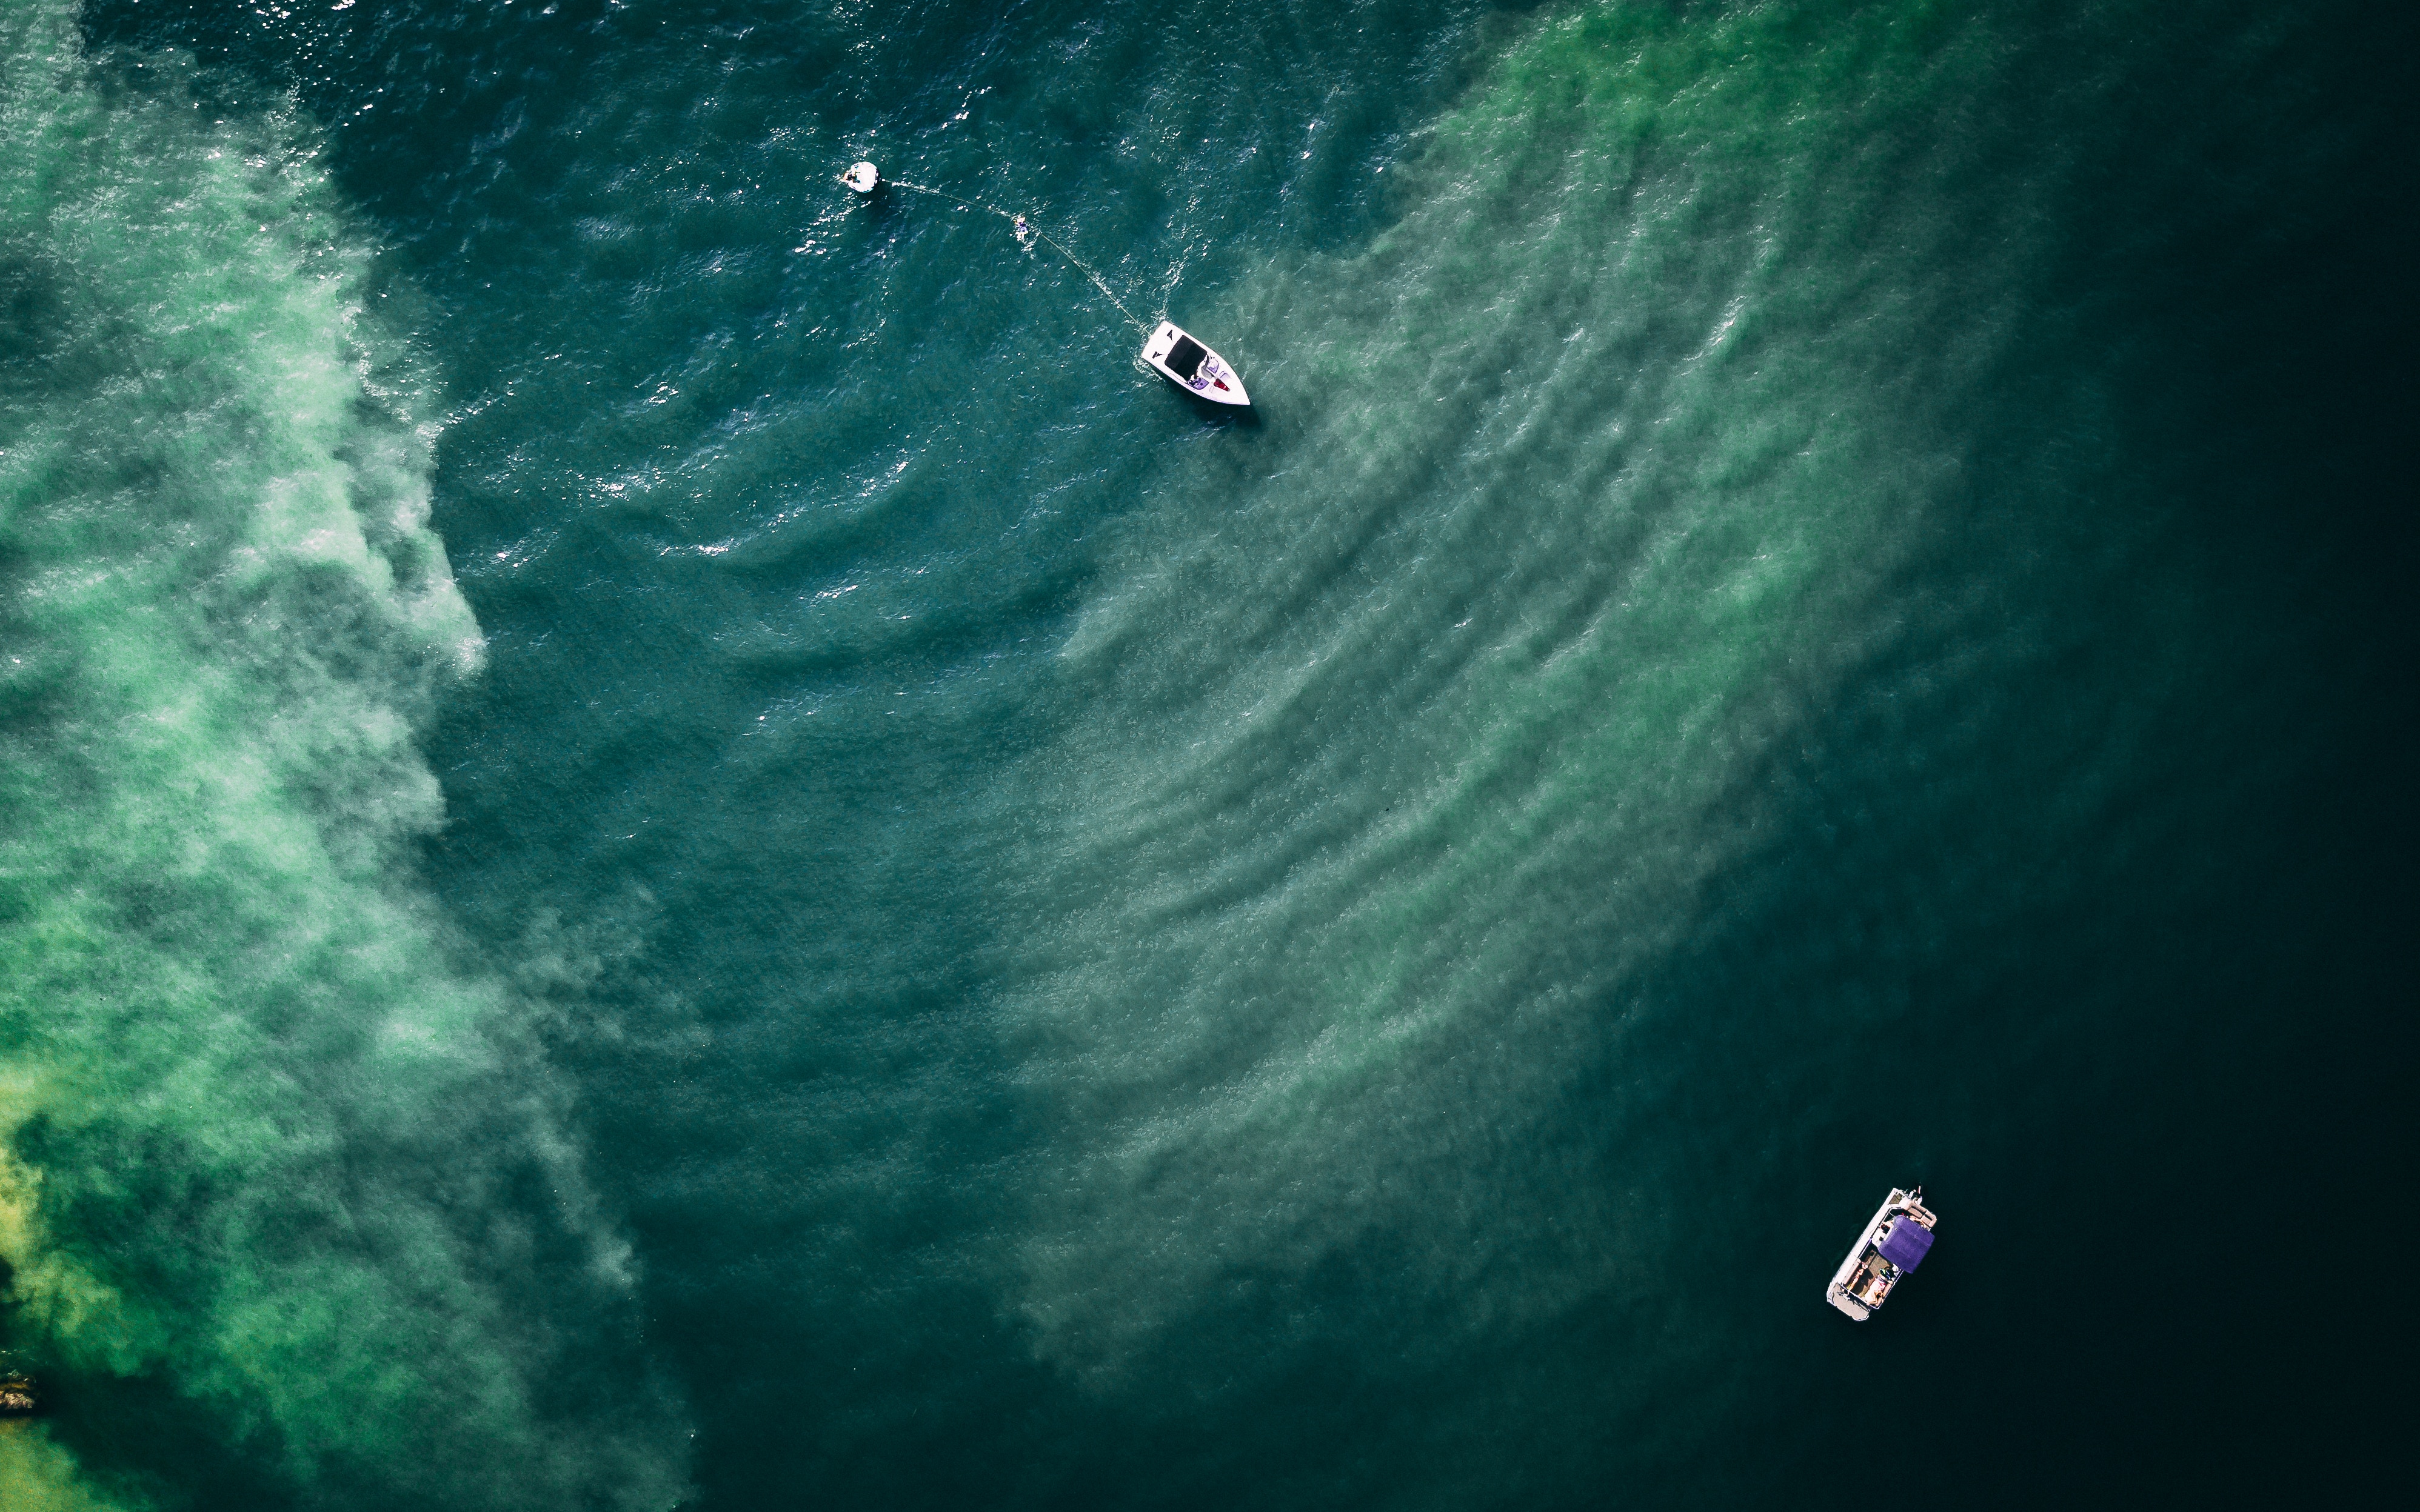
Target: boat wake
[1026,228]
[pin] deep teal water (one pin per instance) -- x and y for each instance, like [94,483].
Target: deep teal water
[669,841]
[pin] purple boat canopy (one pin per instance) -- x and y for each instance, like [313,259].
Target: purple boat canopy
[1906,1243]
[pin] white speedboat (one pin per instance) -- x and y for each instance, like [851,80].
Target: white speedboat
[1893,1243]
[1192,366]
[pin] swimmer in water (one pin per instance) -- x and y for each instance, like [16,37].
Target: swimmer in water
[1024,233]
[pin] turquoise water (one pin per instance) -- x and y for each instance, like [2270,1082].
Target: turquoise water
[672,841]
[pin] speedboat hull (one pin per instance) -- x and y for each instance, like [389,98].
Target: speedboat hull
[1193,367]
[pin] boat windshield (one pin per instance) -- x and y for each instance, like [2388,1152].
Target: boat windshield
[1185,358]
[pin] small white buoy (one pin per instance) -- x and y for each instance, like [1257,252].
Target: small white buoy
[863,177]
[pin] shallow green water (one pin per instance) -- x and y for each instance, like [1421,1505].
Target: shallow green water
[669,837]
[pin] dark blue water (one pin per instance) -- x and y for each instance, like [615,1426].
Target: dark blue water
[671,840]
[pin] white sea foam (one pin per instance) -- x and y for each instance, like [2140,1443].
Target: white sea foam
[258,1117]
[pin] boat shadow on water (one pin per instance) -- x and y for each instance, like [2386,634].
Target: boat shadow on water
[1221,416]
[1211,414]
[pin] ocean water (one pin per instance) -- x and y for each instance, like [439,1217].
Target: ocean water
[671,840]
